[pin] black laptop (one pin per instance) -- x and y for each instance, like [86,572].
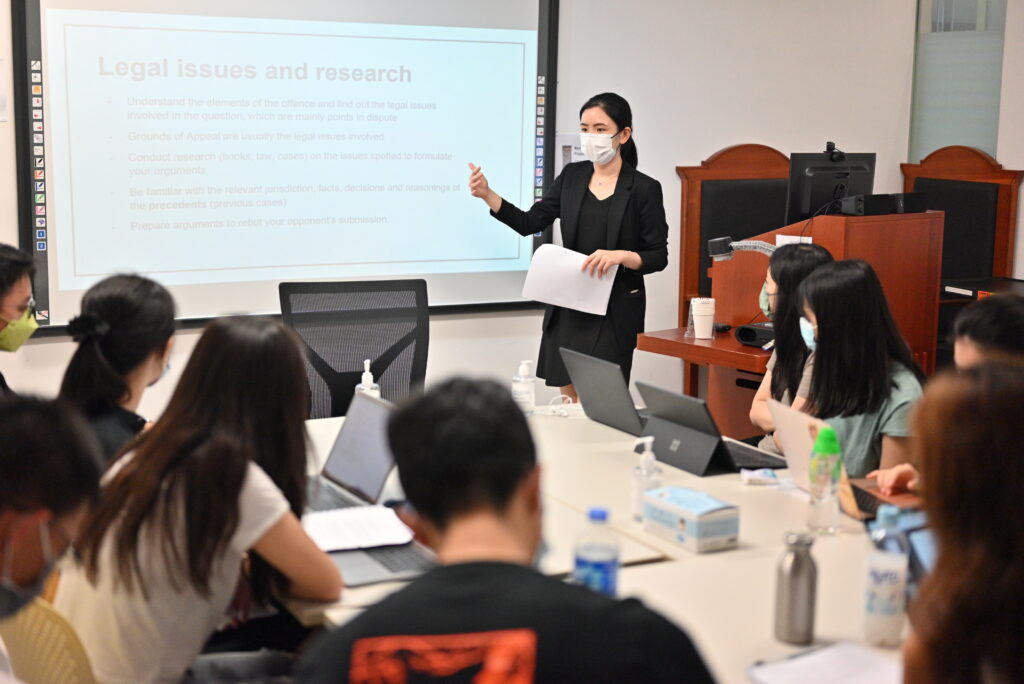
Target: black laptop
[685,436]
[603,391]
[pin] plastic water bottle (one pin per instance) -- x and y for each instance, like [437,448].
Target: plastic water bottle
[367,385]
[597,555]
[646,476]
[524,387]
[886,595]
[825,468]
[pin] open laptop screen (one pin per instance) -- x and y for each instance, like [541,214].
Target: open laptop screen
[360,459]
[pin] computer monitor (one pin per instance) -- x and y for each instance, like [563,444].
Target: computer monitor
[817,181]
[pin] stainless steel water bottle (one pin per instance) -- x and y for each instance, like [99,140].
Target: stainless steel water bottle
[796,587]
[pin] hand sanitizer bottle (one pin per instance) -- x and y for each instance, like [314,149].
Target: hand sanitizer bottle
[368,386]
[524,387]
[646,476]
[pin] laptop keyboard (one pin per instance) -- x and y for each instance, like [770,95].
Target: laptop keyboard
[323,497]
[866,501]
[401,558]
[748,457]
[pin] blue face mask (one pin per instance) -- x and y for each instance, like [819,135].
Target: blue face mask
[807,332]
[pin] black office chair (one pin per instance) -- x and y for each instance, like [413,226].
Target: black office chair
[343,323]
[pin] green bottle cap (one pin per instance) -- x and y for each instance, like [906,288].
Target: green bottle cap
[827,442]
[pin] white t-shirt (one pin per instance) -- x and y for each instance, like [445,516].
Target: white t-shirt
[134,639]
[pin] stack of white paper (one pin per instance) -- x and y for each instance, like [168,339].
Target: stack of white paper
[555,277]
[841,663]
[363,527]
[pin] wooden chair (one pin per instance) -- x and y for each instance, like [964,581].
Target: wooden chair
[739,191]
[43,648]
[979,198]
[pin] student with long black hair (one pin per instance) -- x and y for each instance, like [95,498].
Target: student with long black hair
[125,333]
[610,212]
[221,474]
[790,367]
[865,379]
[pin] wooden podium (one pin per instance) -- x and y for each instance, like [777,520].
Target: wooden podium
[904,249]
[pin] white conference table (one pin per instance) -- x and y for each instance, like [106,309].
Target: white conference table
[562,524]
[724,600]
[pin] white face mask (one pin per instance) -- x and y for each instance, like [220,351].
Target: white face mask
[597,147]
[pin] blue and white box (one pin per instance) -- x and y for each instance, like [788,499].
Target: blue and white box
[695,520]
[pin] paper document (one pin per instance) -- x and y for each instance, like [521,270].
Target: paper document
[363,527]
[555,277]
[842,663]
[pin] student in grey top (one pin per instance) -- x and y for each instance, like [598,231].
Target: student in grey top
[865,379]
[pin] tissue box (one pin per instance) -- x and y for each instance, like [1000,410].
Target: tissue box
[695,520]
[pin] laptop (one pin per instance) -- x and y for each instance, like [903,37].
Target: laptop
[354,475]
[685,436]
[603,391]
[858,497]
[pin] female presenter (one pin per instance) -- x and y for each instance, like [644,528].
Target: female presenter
[609,211]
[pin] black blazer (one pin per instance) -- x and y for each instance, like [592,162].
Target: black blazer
[636,222]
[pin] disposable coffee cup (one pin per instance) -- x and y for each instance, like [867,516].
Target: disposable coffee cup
[703,310]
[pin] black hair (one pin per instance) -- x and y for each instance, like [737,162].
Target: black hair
[124,319]
[617,109]
[49,457]
[243,398]
[994,323]
[461,446]
[14,264]
[858,341]
[788,266]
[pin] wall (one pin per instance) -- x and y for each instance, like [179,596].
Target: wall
[700,76]
[1010,144]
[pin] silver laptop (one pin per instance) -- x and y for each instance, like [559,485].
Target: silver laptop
[603,391]
[354,475]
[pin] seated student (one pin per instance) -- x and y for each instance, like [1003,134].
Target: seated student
[124,334]
[789,369]
[967,620]
[467,464]
[221,474]
[17,315]
[991,329]
[49,477]
[865,379]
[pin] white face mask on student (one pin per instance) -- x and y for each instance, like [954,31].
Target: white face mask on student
[597,147]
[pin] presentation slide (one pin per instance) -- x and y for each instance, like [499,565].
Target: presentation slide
[222,155]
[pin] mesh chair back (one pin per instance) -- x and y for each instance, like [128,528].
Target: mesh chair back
[43,647]
[343,323]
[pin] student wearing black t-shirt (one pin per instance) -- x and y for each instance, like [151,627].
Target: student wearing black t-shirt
[125,334]
[467,463]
